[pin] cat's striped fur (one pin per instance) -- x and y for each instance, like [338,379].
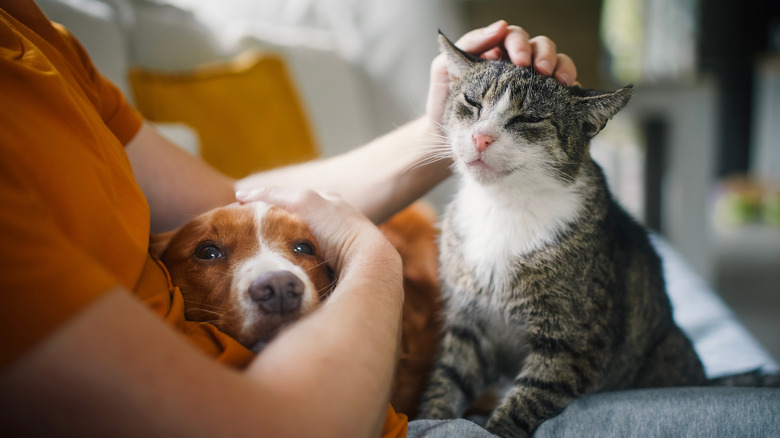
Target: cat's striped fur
[547,280]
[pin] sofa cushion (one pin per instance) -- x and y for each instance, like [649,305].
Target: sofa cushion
[722,342]
[99,28]
[246,111]
[165,37]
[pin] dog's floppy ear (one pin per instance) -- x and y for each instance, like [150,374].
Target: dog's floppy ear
[159,242]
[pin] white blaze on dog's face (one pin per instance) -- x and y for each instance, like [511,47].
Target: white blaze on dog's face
[249,269]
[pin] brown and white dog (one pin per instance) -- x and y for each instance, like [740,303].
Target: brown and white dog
[253,269]
[248,269]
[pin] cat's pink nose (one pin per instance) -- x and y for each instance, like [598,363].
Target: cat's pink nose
[481,141]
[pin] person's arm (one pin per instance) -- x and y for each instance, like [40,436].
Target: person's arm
[349,370]
[386,175]
[117,370]
[379,178]
[177,185]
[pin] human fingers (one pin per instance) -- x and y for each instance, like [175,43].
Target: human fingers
[438,89]
[518,46]
[501,41]
[340,229]
[565,70]
[483,39]
[327,220]
[544,55]
[308,203]
[548,62]
[495,53]
[269,194]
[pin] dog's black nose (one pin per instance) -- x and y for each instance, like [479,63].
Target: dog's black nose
[277,292]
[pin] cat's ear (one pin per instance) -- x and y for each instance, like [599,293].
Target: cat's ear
[458,61]
[597,107]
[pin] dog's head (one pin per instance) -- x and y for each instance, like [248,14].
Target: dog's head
[249,269]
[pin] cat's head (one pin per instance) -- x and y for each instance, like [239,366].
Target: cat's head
[503,120]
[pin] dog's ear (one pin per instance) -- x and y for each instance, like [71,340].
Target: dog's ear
[158,243]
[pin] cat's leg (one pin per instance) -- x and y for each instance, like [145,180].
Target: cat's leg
[544,387]
[672,362]
[568,354]
[460,374]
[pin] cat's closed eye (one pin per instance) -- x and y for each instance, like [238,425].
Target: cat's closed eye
[473,103]
[524,118]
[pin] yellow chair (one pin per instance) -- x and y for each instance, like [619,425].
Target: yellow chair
[246,111]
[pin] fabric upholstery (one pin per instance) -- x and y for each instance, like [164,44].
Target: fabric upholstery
[246,111]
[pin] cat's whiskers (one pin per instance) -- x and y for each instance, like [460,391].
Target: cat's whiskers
[428,159]
[432,142]
[437,153]
[552,172]
[436,149]
[422,151]
[561,162]
[432,147]
[436,139]
[444,128]
[545,167]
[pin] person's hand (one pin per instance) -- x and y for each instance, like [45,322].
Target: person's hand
[346,237]
[500,41]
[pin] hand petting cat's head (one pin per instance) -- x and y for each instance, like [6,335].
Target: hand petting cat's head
[507,121]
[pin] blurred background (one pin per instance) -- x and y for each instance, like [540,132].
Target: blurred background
[695,155]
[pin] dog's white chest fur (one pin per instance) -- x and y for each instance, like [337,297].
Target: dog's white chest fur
[499,223]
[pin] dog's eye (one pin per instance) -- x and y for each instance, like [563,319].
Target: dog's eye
[208,252]
[303,247]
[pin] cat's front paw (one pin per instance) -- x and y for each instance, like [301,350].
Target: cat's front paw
[435,410]
[503,425]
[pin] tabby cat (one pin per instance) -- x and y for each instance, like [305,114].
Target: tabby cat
[547,280]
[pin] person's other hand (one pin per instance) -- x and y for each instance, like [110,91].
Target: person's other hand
[346,237]
[500,41]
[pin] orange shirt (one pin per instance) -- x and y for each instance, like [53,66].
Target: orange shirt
[73,221]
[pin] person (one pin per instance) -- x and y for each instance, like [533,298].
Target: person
[92,328]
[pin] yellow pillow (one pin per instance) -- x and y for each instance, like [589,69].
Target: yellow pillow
[245,111]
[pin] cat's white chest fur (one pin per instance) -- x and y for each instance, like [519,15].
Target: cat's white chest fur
[500,222]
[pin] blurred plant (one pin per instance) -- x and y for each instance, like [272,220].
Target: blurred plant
[651,41]
[741,200]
